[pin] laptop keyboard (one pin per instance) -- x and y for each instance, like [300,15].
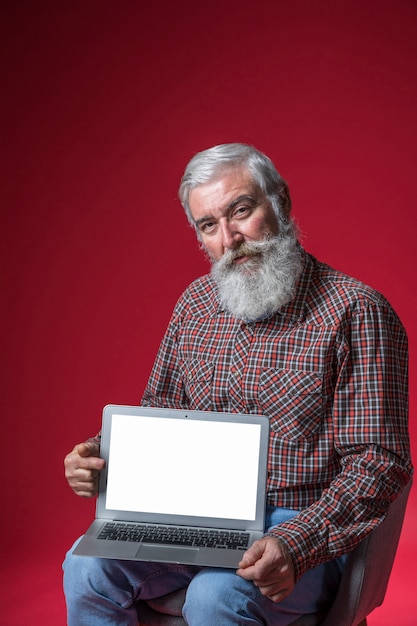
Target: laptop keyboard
[173,535]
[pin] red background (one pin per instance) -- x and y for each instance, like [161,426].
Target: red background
[103,104]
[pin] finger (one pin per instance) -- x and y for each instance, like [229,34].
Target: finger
[85,476]
[85,488]
[252,555]
[90,464]
[261,570]
[73,462]
[276,592]
[86,493]
[276,588]
[255,565]
[87,448]
[277,596]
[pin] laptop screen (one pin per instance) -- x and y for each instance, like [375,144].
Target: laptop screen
[183,467]
[189,467]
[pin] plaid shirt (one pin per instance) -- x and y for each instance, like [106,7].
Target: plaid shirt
[330,371]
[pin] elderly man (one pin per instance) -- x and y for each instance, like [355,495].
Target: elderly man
[271,330]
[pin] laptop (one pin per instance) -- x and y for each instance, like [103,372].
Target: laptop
[197,475]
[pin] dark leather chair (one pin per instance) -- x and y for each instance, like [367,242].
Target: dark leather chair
[361,590]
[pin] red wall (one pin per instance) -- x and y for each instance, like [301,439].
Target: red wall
[103,104]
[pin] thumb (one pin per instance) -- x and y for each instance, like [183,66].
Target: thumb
[252,555]
[87,448]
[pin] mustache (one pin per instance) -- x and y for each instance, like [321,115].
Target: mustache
[248,249]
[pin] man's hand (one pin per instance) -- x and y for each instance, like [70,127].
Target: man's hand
[82,468]
[270,567]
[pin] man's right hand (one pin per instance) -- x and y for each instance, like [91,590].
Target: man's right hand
[82,469]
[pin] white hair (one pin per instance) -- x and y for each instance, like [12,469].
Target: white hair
[209,164]
[264,283]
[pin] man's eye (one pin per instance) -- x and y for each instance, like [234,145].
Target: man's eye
[207,227]
[240,211]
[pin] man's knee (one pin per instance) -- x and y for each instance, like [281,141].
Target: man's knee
[79,573]
[216,592]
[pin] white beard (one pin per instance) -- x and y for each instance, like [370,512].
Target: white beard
[263,284]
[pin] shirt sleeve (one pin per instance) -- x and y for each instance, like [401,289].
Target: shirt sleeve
[370,429]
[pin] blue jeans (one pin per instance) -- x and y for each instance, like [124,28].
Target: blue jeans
[101,592]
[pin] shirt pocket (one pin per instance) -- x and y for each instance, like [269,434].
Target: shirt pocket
[292,399]
[198,383]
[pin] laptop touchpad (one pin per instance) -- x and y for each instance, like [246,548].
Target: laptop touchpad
[171,554]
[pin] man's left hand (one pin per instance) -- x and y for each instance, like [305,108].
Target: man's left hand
[270,567]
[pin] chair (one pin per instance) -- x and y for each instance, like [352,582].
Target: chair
[362,588]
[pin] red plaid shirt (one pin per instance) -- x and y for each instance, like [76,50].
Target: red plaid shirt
[330,371]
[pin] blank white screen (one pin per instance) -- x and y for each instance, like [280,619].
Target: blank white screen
[183,467]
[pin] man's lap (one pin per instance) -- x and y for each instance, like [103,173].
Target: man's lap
[223,597]
[107,590]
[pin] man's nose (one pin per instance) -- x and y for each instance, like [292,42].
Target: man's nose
[230,235]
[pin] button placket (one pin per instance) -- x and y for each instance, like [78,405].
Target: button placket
[238,364]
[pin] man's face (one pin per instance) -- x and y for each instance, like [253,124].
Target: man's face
[230,211]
